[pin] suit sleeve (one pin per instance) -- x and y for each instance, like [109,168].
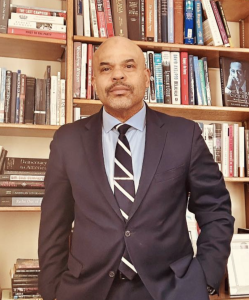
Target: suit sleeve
[211,204]
[57,215]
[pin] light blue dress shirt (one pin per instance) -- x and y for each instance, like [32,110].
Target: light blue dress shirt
[136,138]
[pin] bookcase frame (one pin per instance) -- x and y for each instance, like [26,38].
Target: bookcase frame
[61,50]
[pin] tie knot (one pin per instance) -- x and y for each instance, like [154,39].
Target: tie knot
[122,128]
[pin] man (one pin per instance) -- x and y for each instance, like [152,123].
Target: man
[126,186]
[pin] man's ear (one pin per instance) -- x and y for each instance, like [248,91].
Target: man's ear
[147,77]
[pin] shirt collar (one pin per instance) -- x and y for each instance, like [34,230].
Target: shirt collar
[137,121]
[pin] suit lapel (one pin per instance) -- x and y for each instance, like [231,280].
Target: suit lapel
[92,142]
[154,145]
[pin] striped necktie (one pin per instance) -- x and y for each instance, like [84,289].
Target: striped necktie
[124,190]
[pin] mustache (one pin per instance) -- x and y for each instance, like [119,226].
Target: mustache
[119,83]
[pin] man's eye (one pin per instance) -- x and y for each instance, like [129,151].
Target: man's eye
[130,66]
[105,69]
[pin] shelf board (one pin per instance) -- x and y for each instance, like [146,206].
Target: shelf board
[20,209]
[235,10]
[27,130]
[237,179]
[212,53]
[18,46]
[193,112]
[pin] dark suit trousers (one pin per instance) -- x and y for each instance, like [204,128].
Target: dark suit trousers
[128,290]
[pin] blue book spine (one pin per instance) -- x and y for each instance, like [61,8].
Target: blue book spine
[2,93]
[189,22]
[197,82]
[159,77]
[203,82]
[198,23]
[171,30]
[18,92]
[191,80]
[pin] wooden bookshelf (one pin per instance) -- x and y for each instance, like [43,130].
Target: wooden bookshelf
[20,209]
[235,10]
[27,130]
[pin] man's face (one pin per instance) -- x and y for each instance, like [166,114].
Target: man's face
[239,75]
[120,77]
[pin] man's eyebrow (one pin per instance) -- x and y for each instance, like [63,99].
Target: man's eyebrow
[103,63]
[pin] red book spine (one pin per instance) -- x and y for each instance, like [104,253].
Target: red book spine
[231,151]
[108,18]
[89,70]
[184,78]
[38,33]
[101,18]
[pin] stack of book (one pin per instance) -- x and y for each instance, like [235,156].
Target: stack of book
[24,279]
[29,100]
[22,182]
[35,21]
[168,21]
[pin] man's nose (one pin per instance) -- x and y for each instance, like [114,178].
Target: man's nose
[118,74]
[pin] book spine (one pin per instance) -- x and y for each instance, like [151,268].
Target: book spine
[48,94]
[89,70]
[170,6]
[18,92]
[198,23]
[27,164]
[189,23]
[208,91]
[164,21]
[155,21]
[40,102]
[13,98]
[158,77]
[175,77]
[108,18]
[4,15]
[10,172]
[53,100]
[22,184]
[77,69]
[208,133]
[20,201]
[7,96]
[224,21]
[37,33]
[184,78]
[6,192]
[241,152]
[203,82]
[76,113]
[212,23]
[236,150]
[133,18]
[152,76]
[146,95]
[38,11]
[225,150]
[221,60]
[207,34]
[36,18]
[2,93]
[247,152]
[22,98]
[78,17]
[83,70]
[142,20]
[86,18]
[119,13]
[2,158]
[231,151]
[178,21]
[159,21]
[197,81]
[220,24]
[149,20]
[166,77]
[36,25]
[217,143]
[15,177]
[58,99]
[191,81]
[101,18]
[93,18]
[63,102]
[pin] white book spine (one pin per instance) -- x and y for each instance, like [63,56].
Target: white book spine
[155,21]
[175,77]
[241,152]
[208,134]
[2,93]
[76,113]
[83,70]
[37,18]
[94,22]
[212,23]
[36,25]
[63,102]
[225,150]
[146,95]
[58,98]
[86,18]
[53,100]
[236,149]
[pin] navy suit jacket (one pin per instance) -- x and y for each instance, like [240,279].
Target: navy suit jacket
[176,162]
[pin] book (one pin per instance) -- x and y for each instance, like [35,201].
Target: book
[203,82]
[184,78]
[159,20]
[158,77]
[58,99]
[199,97]
[146,94]
[4,15]
[2,93]
[89,70]
[3,153]
[241,171]
[86,18]
[18,177]
[175,77]
[53,100]
[151,67]
[8,192]
[225,149]
[119,13]
[189,32]
[191,80]
[198,23]
[25,164]
[7,96]
[207,34]
[77,69]
[78,17]
[11,172]
[234,75]
[155,20]
[36,25]
[7,295]
[83,70]
[101,18]
[18,93]
[26,263]
[133,19]
[29,100]
[207,83]
[21,17]
[47,77]
[93,19]
[20,201]
[231,151]
[13,98]
[22,184]
[178,21]
[235,150]
[164,13]
[63,102]
[217,128]
[224,21]
[247,152]
[166,77]
[40,102]
[22,99]
[149,20]
[37,33]
[108,18]
[208,135]
[170,8]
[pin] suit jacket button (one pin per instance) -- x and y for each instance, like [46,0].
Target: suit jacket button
[111,274]
[127,233]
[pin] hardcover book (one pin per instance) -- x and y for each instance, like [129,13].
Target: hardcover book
[234,76]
